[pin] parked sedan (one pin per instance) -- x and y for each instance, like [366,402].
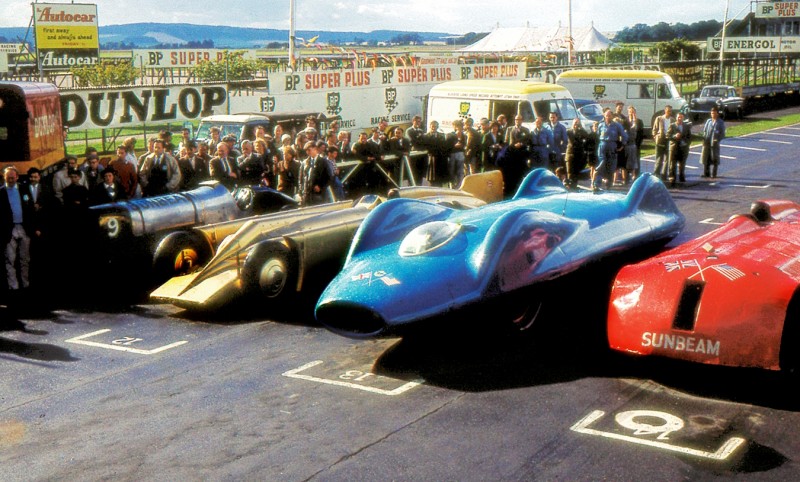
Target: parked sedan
[723,97]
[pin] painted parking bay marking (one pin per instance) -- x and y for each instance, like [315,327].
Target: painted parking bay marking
[358,379]
[121,344]
[652,434]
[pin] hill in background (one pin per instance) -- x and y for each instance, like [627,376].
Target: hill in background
[148,35]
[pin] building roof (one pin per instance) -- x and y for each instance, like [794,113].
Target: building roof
[540,39]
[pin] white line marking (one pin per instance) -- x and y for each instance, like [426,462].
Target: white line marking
[793,128]
[397,391]
[80,340]
[709,221]
[721,454]
[721,156]
[776,142]
[733,146]
[781,134]
[751,186]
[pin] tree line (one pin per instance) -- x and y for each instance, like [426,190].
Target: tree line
[664,32]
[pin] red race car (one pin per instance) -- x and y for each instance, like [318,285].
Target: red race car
[728,298]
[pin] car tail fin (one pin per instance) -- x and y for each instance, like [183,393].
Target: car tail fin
[486,186]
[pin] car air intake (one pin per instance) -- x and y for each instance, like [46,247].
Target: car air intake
[686,315]
[350,319]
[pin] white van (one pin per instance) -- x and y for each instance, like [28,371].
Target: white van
[490,98]
[649,91]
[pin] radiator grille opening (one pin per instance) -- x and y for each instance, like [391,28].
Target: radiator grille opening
[689,303]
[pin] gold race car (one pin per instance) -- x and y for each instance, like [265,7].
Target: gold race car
[280,255]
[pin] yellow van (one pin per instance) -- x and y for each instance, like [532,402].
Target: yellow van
[490,98]
[649,91]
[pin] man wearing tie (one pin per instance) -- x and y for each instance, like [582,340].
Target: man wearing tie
[160,173]
[713,133]
[16,216]
[224,168]
[680,139]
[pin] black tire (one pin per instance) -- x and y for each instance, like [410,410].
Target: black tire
[180,253]
[270,271]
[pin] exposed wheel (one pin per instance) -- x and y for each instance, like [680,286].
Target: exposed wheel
[271,270]
[180,253]
[521,312]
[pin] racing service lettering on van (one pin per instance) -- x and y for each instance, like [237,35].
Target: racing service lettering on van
[680,343]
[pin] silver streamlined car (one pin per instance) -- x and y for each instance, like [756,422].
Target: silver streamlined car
[129,231]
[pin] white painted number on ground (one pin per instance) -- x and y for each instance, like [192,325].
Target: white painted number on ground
[354,379]
[646,423]
[121,344]
[126,341]
[355,375]
[636,420]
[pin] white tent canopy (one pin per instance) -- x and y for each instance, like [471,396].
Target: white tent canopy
[539,39]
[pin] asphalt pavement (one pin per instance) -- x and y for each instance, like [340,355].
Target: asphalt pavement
[151,392]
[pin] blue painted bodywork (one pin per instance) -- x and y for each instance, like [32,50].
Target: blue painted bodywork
[542,233]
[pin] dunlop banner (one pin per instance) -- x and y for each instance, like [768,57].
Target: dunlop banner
[91,109]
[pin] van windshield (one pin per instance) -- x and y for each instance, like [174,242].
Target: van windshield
[673,90]
[565,108]
[225,129]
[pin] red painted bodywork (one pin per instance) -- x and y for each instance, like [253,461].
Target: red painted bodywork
[31,129]
[748,272]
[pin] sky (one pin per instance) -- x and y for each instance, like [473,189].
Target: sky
[450,16]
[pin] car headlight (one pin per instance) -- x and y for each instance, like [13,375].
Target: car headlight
[428,237]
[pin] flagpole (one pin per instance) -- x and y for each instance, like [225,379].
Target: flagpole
[722,45]
[569,40]
[292,60]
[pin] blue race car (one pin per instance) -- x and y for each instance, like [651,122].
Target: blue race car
[412,261]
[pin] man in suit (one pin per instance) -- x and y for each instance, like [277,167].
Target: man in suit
[515,163]
[224,168]
[713,133]
[680,139]
[194,168]
[321,176]
[160,173]
[108,191]
[44,204]
[660,128]
[16,228]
